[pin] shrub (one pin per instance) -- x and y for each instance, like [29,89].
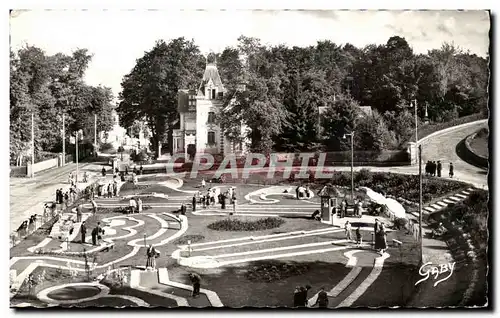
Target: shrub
[184,240]
[399,185]
[400,223]
[275,271]
[238,225]
[106,147]
[131,186]
[472,213]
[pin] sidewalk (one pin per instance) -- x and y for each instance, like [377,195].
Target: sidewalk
[27,196]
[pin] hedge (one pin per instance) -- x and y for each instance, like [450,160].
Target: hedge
[238,225]
[428,129]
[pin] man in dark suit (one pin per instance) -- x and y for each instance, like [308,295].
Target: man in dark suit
[83,231]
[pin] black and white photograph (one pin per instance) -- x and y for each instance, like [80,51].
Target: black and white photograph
[249,158]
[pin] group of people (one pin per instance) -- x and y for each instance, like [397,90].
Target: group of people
[302,192]
[65,198]
[96,233]
[135,205]
[213,196]
[358,208]
[28,226]
[348,234]
[300,298]
[433,168]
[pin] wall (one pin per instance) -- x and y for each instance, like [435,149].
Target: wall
[43,165]
[473,157]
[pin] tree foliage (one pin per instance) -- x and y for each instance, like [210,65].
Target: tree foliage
[149,91]
[277,91]
[47,87]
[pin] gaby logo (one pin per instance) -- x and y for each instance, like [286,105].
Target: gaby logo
[428,269]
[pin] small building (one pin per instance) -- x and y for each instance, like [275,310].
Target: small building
[198,130]
[329,195]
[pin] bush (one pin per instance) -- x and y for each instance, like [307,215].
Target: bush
[399,185]
[472,213]
[400,223]
[107,148]
[274,271]
[184,240]
[238,225]
[131,186]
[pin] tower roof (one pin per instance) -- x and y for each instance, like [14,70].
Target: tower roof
[212,74]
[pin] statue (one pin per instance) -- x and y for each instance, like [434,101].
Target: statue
[151,254]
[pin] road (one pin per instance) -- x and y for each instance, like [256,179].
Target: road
[28,195]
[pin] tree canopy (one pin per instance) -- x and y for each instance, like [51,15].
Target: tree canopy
[284,88]
[47,87]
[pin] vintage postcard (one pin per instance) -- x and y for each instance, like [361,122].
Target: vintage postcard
[249,158]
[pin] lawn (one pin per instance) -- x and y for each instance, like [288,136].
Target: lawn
[236,290]
[480,143]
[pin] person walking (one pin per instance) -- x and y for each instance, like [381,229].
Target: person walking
[304,299]
[297,297]
[110,190]
[79,213]
[196,281]
[140,169]
[139,205]
[360,209]
[359,237]
[234,203]
[451,170]
[115,188]
[83,231]
[66,199]
[439,168]
[151,254]
[94,206]
[322,300]
[348,231]
[343,209]
[383,238]
[223,201]
[203,184]
[193,202]
[131,204]
[375,230]
[85,177]
[103,171]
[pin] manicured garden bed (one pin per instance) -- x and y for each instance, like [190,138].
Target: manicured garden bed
[238,225]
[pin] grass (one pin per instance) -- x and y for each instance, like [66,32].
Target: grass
[480,145]
[236,290]
[393,287]
[185,238]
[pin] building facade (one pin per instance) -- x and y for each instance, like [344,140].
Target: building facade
[198,131]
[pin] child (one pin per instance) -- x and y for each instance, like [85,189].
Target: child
[348,233]
[359,238]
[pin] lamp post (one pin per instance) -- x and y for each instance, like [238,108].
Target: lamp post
[63,141]
[77,137]
[32,145]
[416,131]
[352,162]
[420,201]
[95,135]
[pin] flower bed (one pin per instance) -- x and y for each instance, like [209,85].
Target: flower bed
[184,239]
[238,225]
[406,186]
[131,186]
[271,271]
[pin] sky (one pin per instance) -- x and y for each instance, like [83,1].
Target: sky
[116,38]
